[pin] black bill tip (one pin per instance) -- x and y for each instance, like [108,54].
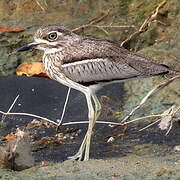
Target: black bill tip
[26,47]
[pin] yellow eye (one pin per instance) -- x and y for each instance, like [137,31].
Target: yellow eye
[52,36]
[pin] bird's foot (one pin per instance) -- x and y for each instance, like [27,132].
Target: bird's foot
[78,156]
[82,154]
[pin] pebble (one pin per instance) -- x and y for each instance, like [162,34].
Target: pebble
[177,148]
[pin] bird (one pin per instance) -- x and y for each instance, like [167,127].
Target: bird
[87,63]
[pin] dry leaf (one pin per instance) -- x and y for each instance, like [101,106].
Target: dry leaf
[168,117]
[31,69]
[10,29]
[8,137]
[48,140]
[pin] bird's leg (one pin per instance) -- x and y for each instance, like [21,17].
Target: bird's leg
[79,154]
[94,115]
[85,146]
[92,120]
[97,106]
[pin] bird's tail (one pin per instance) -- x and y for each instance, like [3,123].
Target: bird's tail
[173,72]
[170,71]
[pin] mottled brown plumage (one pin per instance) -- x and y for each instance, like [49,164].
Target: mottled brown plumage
[87,63]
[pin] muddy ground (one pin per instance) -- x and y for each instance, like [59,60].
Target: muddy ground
[148,154]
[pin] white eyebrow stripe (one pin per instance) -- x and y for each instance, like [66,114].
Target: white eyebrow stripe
[58,33]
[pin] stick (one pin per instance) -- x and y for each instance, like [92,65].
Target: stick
[92,22]
[149,125]
[141,118]
[83,122]
[4,116]
[54,123]
[110,26]
[31,115]
[64,108]
[149,94]
[169,113]
[145,25]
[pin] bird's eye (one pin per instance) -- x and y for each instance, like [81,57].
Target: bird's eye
[52,36]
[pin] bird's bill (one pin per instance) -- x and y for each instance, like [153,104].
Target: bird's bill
[27,47]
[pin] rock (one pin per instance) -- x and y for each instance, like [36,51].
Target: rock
[177,148]
[16,153]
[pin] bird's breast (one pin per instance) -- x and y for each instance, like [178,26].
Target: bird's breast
[52,65]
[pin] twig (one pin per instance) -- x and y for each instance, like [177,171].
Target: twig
[64,108]
[149,94]
[46,119]
[110,26]
[83,122]
[144,27]
[92,22]
[4,116]
[31,115]
[149,125]
[39,4]
[96,20]
[141,118]
[54,123]
[166,118]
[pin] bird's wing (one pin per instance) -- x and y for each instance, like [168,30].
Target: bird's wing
[102,60]
[98,70]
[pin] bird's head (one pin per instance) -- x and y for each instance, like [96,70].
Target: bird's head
[51,39]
